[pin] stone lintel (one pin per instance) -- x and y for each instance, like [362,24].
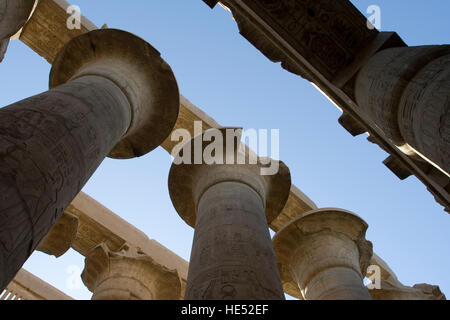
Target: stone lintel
[97,225]
[26,286]
[394,290]
[46,33]
[327,53]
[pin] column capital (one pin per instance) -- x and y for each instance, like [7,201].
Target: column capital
[61,236]
[319,240]
[188,181]
[138,70]
[128,275]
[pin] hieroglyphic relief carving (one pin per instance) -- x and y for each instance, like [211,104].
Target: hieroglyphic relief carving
[45,149]
[328,34]
[301,34]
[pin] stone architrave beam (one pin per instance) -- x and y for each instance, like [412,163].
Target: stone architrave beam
[26,286]
[98,225]
[328,43]
[392,289]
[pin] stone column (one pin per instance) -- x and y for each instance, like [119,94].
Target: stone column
[128,275]
[323,255]
[230,206]
[112,94]
[13,16]
[406,92]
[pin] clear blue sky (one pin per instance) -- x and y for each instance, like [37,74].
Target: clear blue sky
[223,74]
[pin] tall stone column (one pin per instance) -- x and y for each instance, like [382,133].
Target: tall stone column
[230,206]
[112,94]
[13,16]
[323,255]
[128,275]
[406,92]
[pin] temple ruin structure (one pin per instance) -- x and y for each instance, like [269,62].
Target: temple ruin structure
[112,95]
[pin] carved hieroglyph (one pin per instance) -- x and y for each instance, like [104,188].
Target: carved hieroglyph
[230,206]
[323,254]
[128,275]
[112,95]
[328,42]
[392,289]
[46,34]
[406,91]
[97,225]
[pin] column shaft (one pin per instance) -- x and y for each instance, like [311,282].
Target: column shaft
[50,145]
[323,255]
[326,266]
[13,16]
[338,283]
[405,91]
[232,255]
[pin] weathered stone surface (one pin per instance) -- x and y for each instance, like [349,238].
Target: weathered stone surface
[51,144]
[323,254]
[329,34]
[327,43]
[128,275]
[98,225]
[406,91]
[139,71]
[46,32]
[13,16]
[26,286]
[397,167]
[230,206]
[392,289]
[60,238]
